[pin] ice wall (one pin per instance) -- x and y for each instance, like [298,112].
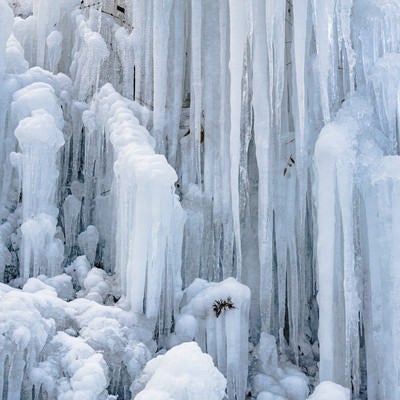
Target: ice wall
[278,118]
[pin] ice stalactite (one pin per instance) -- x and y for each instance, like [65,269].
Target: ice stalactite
[262,126]
[238,11]
[40,138]
[335,159]
[196,87]
[161,33]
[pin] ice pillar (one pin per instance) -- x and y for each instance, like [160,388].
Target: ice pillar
[39,138]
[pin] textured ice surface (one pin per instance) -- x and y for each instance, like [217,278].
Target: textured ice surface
[67,349]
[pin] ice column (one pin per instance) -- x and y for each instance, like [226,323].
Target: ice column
[149,218]
[339,280]
[262,128]
[221,331]
[238,33]
[39,137]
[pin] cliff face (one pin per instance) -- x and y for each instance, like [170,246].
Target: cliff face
[169,140]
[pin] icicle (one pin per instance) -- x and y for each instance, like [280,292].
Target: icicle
[238,35]
[324,35]
[196,86]
[262,128]
[161,33]
[176,64]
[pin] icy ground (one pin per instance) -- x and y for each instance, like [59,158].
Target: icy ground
[199,199]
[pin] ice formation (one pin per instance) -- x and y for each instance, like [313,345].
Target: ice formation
[165,161]
[39,138]
[221,331]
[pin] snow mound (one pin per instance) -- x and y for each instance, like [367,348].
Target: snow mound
[330,391]
[183,373]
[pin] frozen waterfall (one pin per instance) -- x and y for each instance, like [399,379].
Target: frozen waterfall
[220,172]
